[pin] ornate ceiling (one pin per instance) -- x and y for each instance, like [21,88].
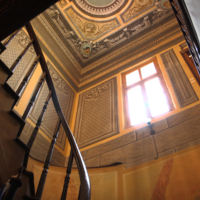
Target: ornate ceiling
[92,39]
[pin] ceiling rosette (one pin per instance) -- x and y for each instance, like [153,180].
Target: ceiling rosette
[100,9]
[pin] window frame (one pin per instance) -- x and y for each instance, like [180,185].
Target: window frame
[126,88]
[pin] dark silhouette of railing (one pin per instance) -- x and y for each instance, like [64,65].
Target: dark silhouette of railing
[84,193]
[185,23]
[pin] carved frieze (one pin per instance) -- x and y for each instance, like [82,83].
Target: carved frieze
[97,115]
[97,49]
[136,8]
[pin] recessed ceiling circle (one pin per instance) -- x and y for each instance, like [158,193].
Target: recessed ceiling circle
[98,3]
[100,8]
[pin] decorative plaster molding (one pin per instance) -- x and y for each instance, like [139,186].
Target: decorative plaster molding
[182,87]
[62,3]
[137,34]
[136,8]
[89,29]
[97,114]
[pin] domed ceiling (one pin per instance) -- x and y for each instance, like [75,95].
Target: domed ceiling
[91,38]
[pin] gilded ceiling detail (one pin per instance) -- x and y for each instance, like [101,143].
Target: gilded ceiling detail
[62,3]
[100,8]
[89,29]
[87,45]
[137,7]
[85,49]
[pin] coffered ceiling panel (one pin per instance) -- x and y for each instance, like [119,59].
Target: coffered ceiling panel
[88,33]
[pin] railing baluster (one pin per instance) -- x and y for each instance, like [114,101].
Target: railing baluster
[28,75]
[39,121]
[84,177]
[14,65]
[28,108]
[67,177]
[35,131]
[47,162]
[9,39]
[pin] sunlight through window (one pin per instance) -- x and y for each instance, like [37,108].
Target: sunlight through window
[146,94]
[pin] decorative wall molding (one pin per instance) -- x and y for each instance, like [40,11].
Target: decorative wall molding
[182,87]
[23,40]
[97,114]
[65,96]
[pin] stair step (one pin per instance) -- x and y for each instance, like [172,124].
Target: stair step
[5,72]
[11,92]
[2,48]
[11,153]
[28,187]
[17,117]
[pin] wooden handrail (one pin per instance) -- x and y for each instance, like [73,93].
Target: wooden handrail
[84,193]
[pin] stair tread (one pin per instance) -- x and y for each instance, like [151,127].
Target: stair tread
[11,91]
[5,72]
[2,48]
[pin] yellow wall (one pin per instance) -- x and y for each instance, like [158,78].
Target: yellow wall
[174,177]
[24,100]
[177,109]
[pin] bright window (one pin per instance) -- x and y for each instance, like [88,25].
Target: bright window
[145,94]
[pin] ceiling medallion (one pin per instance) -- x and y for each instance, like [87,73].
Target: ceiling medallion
[86,48]
[100,9]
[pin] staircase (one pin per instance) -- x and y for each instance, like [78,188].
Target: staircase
[15,181]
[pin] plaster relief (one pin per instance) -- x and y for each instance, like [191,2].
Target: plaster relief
[136,8]
[62,3]
[90,29]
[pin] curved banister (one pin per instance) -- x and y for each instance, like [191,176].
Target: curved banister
[84,193]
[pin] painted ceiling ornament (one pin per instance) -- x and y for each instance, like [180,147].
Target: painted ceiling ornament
[165,4]
[86,49]
[136,8]
[90,30]
[100,8]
